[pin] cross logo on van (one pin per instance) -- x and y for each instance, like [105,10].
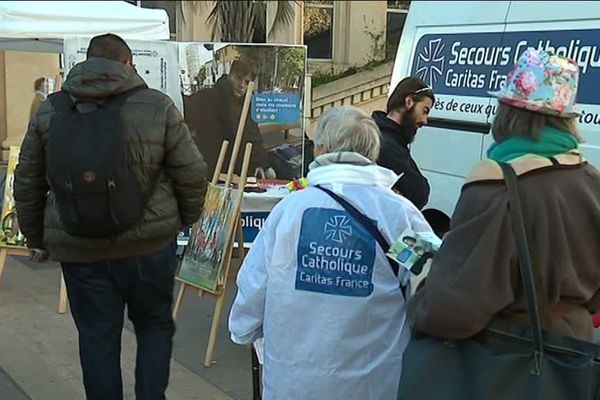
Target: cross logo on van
[430,62]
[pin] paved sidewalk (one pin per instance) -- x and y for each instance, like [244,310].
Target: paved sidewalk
[9,389]
[38,347]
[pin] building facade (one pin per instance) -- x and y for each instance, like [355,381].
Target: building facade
[339,34]
[348,44]
[351,46]
[18,72]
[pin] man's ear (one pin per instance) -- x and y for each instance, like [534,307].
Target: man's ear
[409,103]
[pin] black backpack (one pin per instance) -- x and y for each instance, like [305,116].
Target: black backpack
[89,168]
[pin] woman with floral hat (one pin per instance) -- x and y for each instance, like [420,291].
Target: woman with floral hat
[474,278]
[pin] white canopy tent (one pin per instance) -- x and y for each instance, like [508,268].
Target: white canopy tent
[42,25]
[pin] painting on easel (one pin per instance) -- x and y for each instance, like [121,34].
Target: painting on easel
[11,236]
[205,254]
[207,260]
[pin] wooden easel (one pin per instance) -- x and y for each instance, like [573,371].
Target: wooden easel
[63,299]
[9,250]
[229,178]
[63,302]
[23,252]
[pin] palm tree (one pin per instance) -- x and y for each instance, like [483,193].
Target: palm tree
[243,21]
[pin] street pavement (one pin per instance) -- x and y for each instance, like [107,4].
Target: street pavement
[9,389]
[39,351]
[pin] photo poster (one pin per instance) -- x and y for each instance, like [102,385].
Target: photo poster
[411,246]
[210,238]
[213,99]
[12,237]
[155,61]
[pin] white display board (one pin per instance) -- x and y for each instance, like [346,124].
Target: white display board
[155,61]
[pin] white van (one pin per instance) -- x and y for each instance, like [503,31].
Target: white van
[465,49]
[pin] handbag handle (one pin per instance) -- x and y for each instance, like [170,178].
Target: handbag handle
[531,277]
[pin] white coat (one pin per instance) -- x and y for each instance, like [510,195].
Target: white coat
[320,291]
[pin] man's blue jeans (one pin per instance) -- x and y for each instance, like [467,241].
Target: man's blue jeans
[98,293]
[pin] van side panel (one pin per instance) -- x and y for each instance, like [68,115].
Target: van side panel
[465,50]
[431,48]
[438,15]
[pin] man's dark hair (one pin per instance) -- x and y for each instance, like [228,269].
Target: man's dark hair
[39,83]
[407,87]
[241,68]
[109,46]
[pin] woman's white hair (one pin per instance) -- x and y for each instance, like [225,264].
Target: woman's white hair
[346,128]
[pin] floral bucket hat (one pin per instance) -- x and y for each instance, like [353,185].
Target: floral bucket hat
[542,82]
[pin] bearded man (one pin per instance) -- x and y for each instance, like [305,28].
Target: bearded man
[407,111]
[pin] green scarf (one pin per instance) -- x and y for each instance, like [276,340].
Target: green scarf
[551,142]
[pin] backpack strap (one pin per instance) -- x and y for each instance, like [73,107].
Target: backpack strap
[370,226]
[531,275]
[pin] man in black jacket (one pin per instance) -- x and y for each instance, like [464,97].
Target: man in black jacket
[407,111]
[135,267]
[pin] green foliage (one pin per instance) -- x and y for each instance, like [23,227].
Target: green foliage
[322,78]
[291,67]
[377,45]
[237,21]
[316,20]
[377,56]
[401,5]
[279,67]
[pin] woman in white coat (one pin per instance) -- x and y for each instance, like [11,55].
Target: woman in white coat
[317,286]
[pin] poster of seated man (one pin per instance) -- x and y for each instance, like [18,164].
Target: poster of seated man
[214,79]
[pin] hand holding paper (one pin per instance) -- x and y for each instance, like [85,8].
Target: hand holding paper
[413,249]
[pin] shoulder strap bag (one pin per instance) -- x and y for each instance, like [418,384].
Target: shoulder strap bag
[507,360]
